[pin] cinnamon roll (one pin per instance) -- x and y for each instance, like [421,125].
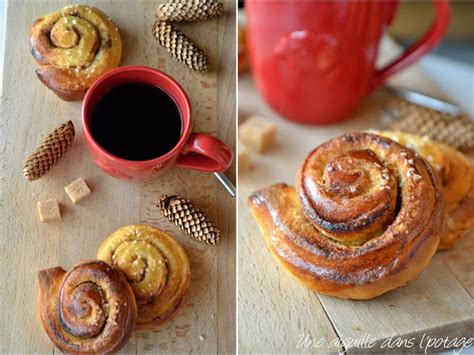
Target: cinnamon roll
[365,217]
[74,46]
[155,265]
[457,176]
[89,309]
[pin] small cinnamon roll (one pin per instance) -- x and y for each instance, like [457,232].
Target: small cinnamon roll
[89,309]
[155,265]
[74,46]
[457,176]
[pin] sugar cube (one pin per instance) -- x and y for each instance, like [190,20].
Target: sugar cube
[243,158]
[77,190]
[258,133]
[48,210]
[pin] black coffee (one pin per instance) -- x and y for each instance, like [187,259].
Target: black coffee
[136,122]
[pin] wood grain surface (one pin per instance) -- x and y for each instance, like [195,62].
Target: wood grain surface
[206,320]
[275,311]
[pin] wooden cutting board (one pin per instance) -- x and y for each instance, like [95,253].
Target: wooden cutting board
[205,322]
[275,312]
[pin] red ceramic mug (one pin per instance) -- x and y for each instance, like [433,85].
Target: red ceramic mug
[314,61]
[194,150]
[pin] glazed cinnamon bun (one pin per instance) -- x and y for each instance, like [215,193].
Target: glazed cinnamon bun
[89,309]
[155,265]
[365,218]
[457,176]
[74,46]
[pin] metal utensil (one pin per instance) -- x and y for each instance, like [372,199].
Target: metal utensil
[424,100]
[229,187]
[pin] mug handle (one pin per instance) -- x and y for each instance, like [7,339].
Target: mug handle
[420,48]
[205,153]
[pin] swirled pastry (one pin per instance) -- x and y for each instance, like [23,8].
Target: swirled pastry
[155,265]
[365,217]
[89,309]
[457,176]
[74,46]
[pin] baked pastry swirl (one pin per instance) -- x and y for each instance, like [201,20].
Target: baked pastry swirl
[365,217]
[155,265]
[89,309]
[74,46]
[457,176]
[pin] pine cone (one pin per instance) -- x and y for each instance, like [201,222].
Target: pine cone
[190,219]
[189,10]
[457,131]
[53,148]
[180,46]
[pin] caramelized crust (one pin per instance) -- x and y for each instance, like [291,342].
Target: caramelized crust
[90,309]
[365,218]
[457,175]
[74,46]
[155,265]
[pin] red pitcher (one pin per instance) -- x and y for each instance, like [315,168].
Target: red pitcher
[314,61]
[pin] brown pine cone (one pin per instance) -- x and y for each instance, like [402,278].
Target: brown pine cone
[457,131]
[53,148]
[189,10]
[188,218]
[180,46]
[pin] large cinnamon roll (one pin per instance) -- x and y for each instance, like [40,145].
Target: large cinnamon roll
[74,46]
[155,265]
[457,176]
[365,217]
[89,309]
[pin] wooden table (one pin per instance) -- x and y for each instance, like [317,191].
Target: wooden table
[275,312]
[206,321]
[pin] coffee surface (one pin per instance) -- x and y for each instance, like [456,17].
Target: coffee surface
[136,122]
